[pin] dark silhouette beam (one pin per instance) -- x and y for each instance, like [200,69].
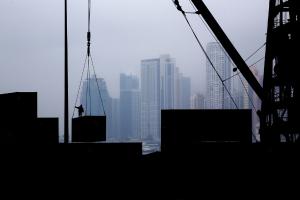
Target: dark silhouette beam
[66,117]
[228,46]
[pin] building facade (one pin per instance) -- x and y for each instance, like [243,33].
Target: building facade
[217,97]
[198,101]
[150,99]
[129,107]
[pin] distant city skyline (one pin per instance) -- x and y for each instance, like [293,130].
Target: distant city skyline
[135,115]
[121,36]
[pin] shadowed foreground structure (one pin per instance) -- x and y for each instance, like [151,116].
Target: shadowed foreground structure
[191,136]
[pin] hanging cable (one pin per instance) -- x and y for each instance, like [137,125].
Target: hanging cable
[255,52]
[80,84]
[98,86]
[247,92]
[89,29]
[87,88]
[216,39]
[89,15]
[213,35]
[202,48]
[89,61]
[252,65]
[89,82]
[176,2]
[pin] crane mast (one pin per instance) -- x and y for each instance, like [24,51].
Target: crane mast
[280,94]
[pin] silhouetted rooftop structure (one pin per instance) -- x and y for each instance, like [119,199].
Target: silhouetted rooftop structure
[18,105]
[19,122]
[187,129]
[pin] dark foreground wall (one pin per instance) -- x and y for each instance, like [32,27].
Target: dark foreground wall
[20,124]
[182,129]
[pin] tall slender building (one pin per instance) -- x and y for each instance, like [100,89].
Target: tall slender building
[217,97]
[182,91]
[197,101]
[150,99]
[129,107]
[237,92]
[115,119]
[177,99]
[162,87]
[185,92]
[167,84]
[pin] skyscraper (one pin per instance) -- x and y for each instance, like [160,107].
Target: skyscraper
[177,88]
[91,101]
[217,97]
[150,99]
[162,87]
[237,92]
[197,101]
[115,119]
[247,94]
[167,84]
[185,92]
[129,107]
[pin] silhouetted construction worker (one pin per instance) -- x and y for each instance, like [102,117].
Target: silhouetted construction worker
[80,110]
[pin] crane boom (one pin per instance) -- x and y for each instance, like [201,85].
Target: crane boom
[228,46]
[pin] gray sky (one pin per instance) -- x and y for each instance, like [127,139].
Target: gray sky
[123,33]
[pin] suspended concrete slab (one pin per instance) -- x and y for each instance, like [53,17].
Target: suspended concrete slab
[89,129]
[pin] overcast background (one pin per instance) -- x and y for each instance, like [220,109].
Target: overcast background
[123,33]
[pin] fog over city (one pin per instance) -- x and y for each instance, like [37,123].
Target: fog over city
[124,32]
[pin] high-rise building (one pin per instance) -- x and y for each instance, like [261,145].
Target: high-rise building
[129,107]
[167,84]
[182,91]
[115,119]
[216,94]
[198,101]
[237,92]
[177,99]
[91,101]
[162,87]
[185,92]
[247,94]
[150,99]
[246,99]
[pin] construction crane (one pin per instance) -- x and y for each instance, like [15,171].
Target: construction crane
[280,91]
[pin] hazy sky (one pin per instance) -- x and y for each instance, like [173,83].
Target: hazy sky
[123,33]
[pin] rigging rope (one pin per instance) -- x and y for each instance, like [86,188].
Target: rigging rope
[89,61]
[238,73]
[252,65]
[210,31]
[98,86]
[80,84]
[176,2]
